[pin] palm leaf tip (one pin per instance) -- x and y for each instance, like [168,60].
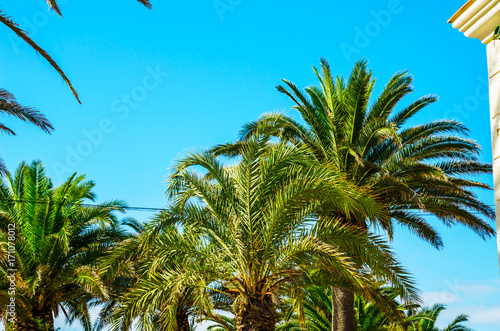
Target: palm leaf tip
[53,5]
[146,3]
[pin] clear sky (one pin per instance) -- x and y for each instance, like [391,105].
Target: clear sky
[190,73]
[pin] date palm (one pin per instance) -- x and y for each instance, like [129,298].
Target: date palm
[409,169]
[254,232]
[58,240]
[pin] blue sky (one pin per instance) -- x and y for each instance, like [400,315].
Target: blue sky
[190,73]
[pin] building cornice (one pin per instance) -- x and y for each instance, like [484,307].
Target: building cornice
[477,19]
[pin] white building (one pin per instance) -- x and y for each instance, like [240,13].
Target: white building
[480,19]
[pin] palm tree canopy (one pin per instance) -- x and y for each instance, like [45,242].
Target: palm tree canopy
[410,169]
[252,229]
[149,300]
[58,241]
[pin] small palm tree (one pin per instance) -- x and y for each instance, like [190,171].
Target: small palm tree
[368,315]
[252,229]
[317,312]
[58,240]
[222,323]
[425,320]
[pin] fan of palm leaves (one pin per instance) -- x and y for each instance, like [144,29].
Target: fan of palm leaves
[250,232]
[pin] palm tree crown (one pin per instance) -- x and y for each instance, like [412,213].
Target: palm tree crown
[57,243]
[254,232]
[409,168]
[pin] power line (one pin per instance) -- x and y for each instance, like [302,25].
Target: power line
[134,208]
[156,209]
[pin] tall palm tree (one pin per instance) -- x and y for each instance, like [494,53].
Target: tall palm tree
[58,240]
[409,169]
[7,21]
[255,232]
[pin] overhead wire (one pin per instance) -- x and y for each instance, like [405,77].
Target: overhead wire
[157,209]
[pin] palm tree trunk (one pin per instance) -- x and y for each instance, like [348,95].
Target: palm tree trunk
[255,314]
[343,309]
[183,322]
[41,320]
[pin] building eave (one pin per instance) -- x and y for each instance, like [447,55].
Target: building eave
[477,19]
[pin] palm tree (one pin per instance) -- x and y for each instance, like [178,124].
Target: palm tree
[251,228]
[222,323]
[58,240]
[369,317]
[123,276]
[409,169]
[318,313]
[7,21]
[425,320]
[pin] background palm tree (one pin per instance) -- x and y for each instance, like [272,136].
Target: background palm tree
[257,236]
[369,317]
[58,241]
[425,320]
[123,276]
[223,323]
[409,169]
